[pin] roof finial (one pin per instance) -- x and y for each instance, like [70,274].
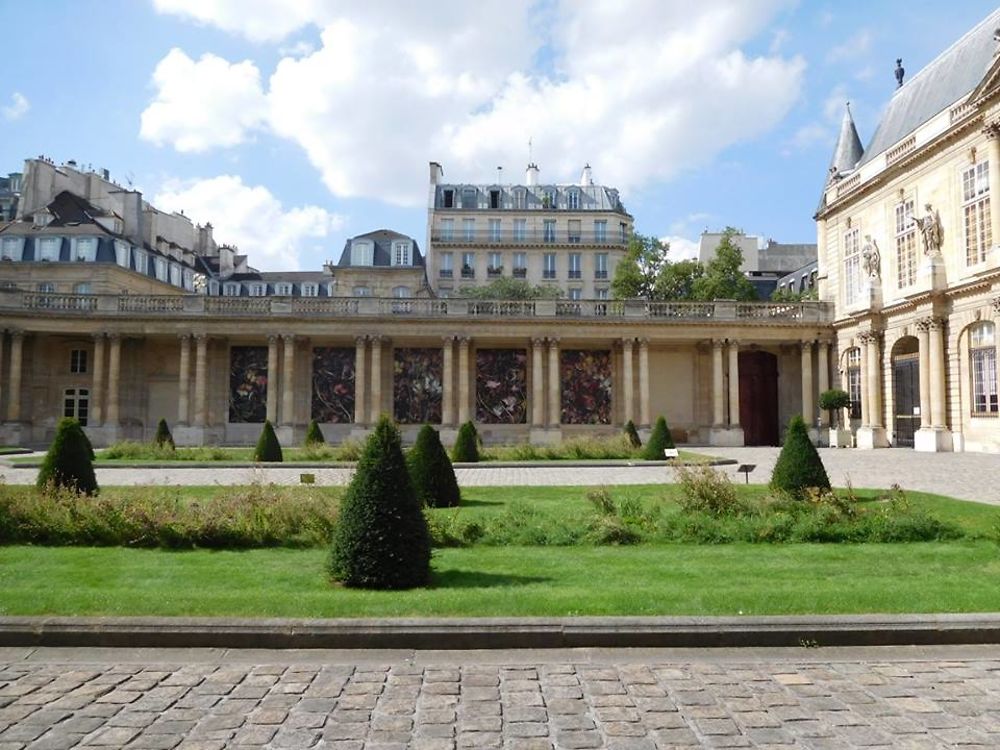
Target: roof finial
[899,72]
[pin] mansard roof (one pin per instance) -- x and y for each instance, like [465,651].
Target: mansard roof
[382,239]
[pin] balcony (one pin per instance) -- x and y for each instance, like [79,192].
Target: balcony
[547,274]
[600,274]
[520,273]
[575,274]
[468,272]
[525,238]
[494,272]
[445,273]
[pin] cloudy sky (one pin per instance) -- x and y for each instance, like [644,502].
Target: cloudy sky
[294,124]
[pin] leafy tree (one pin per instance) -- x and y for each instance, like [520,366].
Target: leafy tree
[466,448]
[784,295]
[833,401]
[381,540]
[659,440]
[632,434]
[314,435]
[799,465]
[69,461]
[431,472]
[163,437]
[677,280]
[723,278]
[509,288]
[637,273]
[268,448]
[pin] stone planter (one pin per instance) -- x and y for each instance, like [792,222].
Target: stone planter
[841,438]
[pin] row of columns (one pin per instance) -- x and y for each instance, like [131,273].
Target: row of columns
[106,411]
[725,413]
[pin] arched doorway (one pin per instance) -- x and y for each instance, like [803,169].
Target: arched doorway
[906,390]
[759,398]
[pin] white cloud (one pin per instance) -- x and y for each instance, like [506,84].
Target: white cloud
[257,20]
[855,47]
[809,135]
[203,104]
[640,89]
[253,219]
[18,107]
[681,248]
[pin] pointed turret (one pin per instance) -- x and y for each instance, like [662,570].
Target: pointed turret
[849,150]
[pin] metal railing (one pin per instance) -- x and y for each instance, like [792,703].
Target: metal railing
[528,237]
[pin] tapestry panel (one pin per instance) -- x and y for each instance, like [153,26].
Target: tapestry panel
[501,386]
[333,384]
[247,383]
[585,376]
[417,376]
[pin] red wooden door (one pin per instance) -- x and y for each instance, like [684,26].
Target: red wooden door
[759,398]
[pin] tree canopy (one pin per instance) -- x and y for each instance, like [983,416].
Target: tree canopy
[508,288]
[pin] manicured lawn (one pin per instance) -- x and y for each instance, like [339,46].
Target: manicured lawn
[523,581]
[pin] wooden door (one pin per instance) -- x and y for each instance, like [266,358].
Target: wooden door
[906,395]
[759,398]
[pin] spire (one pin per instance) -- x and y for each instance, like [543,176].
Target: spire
[849,150]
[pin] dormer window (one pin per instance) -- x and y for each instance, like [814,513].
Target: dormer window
[449,198]
[12,248]
[189,279]
[48,248]
[362,253]
[231,289]
[213,288]
[549,198]
[283,289]
[86,249]
[123,254]
[469,198]
[520,198]
[361,291]
[160,268]
[142,262]
[310,290]
[573,200]
[495,198]
[175,274]
[257,289]
[401,253]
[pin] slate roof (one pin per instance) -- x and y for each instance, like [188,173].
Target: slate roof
[848,151]
[954,74]
[383,239]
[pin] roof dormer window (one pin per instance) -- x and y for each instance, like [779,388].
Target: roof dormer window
[123,254]
[362,253]
[573,200]
[257,289]
[48,248]
[12,248]
[86,249]
[175,274]
[310,290]
[231,289]
[401,253]
[160,268]
[283,289]
[549,198]
[469,198]
[142,262]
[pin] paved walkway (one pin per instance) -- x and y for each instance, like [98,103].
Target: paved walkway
[625,700]
[970,476]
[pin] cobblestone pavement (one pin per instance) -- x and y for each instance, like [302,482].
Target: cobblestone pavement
[630,701]
[970,476]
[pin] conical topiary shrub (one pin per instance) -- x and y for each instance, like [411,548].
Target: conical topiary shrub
[314,435]
[658,441]
[69,462]
[381,540]
[632,434]
[431,472]
[163,437]
[268,448]
[799,465]
[466,449]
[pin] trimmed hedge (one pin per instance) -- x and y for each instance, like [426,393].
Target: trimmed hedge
[69,461]
[268,448]
[658,441]
[163,437]
[314,435]
[799,466]
[431,471]
[381,540]
[632,434]
[466,449]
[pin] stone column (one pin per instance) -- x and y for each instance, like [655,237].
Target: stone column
[875,381]
[200,379]
[272,379]
[823,366]
[808,396]
[183,380]
[14,394]
[448,384]
[865,402]
[360,367]
[555,406]
[537,382]
[718,416]
[463,379]
[376,378]
[734,384]
[644,416]
[872,433]
[628,397]
[288,381]
[923,336]
[97,389]
[993,133]
[936,352]
[114,377]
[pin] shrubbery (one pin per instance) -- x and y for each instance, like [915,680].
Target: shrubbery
[381,540]
[658,441]
[579,449]
[69,463]
[163,438]
[632,434]
[431,471]
[268,448]
[799,466]
[314,435]
[466,448]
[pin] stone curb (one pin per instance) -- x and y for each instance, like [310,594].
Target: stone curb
[502,633]
[614,463]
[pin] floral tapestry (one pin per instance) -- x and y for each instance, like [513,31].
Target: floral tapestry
[501,386]
[416,385]
[333,384]
[247,383]
[586,386]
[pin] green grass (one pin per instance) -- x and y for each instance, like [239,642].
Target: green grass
[529,581]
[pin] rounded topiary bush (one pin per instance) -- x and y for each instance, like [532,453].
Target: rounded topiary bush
[163,438]
[658,441]
[799,465]
[381,539]
[268,448]
[431,471]
[69,462]
[466,449]
[632,434]
[314,435]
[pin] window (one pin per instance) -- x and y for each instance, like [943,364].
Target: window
[123,254]
[601,292]
[47,287]
[447,230]
[520,265]
[469,198]
[449,198]
[495,267]
[549,198]
[549,232]
[906,245]
[142,262]
[231,289]
[494,199]
[175,274]
[983,365]
[574,233]
[468,265]
[601,266]
[160,268]
[573,200]
[213,287]
[362,253]
[401,292]
[623,232]
[310,290]
[361,291]
[854,381]
[257,289]
[852,266]
[520,230]
[549,266]
[78,361]
[494,230]
[86,249]
[576,294]
[401,253]
[283,289]
[575,271]
[976,208]
[76,403]
[12,248]
[81,287]
[48,248]
[189,279]
[447,265]
[601,231]
[520,198]
[469,229]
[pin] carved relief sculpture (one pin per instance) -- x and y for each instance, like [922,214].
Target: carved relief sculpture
[930,229]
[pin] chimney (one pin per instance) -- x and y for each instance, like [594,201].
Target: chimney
[437,172]
[586,179]
[531,174]
[132,215]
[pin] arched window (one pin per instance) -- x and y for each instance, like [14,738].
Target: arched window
[983,366]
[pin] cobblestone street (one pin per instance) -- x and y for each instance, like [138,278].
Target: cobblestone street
[629,699]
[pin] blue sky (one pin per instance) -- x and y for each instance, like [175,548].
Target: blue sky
[293,124]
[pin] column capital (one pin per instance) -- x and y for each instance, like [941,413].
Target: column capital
[929,323]
[869,337]
[360,340]
[181,336]
[733,343]
[463,341]
[718,344]
[992,130]
[643,343]
[200,337]
[996,304]
[99,336]
[288,337]
[553,341]
[113,337]
[628,341]
[449,339]
[16,333]
[538,341]
[806,346]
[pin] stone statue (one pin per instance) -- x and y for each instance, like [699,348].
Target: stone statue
[930,228]
[900,72]
[871,258]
